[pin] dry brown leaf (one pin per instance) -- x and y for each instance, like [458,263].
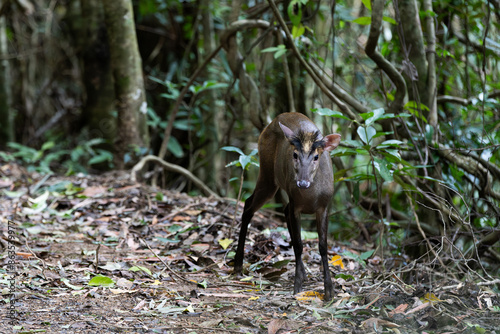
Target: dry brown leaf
[24,255]
[94,191]
[200,248]
[418,308]
[132,244]
[400,309]
[376,324]
[275,325]
[181,218]
[140,305]
[192,212]
[154,221]
[5,183]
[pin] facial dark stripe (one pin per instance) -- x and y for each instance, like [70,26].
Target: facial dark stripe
[302,138]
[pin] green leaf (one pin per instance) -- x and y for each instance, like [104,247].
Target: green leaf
[374,116]
[368,4]
[297,31]
[366,134]
[175,148]
[281,264]
[38,204]
[381,166]
[393,156]
[182,124]
[391,142]
[232,149]
[414,109]
[245,161]
[167,240]
[103,157]
[389,19]
[141,268]
[100,280]
[295,17]
[278,50]
[203,284]
[69,285]
[329,113]
[279,53]
[364,20]
[345,277]
[208,85]
[48,145]
[308,235]
[13,194]
[366,255]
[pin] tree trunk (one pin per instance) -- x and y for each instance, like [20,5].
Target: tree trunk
[127,74]
[97,76]
[7,123]
[215,169]
[414,45]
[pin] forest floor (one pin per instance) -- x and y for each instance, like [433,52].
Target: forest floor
[100,254]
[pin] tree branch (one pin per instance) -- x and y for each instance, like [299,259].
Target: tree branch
[471,166]
[453,99]
[172,168]
[384,64]
[345,109]
[338,90]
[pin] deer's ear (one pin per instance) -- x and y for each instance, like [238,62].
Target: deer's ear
[331,141]
[286,130]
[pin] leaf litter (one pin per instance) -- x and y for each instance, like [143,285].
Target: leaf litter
[101,254]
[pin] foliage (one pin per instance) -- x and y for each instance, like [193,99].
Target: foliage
[421,168]
[244,161]
[76,160]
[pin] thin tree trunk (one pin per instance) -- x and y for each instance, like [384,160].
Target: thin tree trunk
[97,75]
[431,61]
[7,121]
[414,45]
[214,170]
[127,73]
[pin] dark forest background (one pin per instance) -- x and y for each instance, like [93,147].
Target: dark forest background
[413,87]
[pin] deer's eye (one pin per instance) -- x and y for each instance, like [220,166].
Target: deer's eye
[295,155]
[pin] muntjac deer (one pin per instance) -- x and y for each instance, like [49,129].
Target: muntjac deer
[294,156]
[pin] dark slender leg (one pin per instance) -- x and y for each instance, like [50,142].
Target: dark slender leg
[322,227]
[293,224]
[261,195]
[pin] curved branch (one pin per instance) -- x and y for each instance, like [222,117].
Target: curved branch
[345,108]
[471,166]
[384,64]
[338,90]
[460,100]
[453,99]
[172,168]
